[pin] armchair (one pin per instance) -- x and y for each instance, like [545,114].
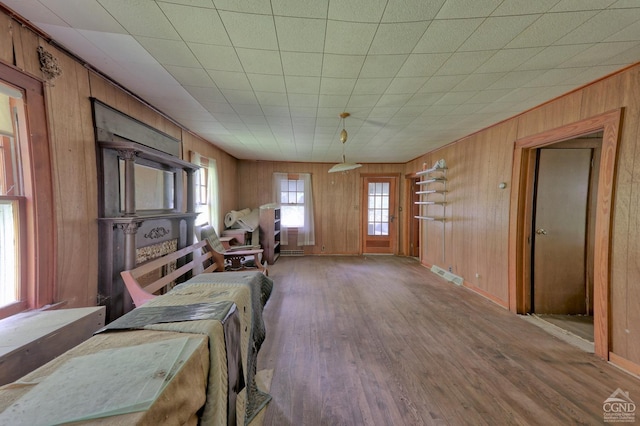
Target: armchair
[235,257]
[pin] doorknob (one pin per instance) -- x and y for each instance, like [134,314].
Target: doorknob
[391,217]
[541,231]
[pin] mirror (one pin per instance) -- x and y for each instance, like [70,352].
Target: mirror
[154,188]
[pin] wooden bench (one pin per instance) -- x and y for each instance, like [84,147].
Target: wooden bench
[141,294]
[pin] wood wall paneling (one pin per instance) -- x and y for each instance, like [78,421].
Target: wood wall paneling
[75,185]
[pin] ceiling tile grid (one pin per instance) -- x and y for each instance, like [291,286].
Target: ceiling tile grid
[267,79]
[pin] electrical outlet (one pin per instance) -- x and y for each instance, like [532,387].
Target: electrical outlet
[450,268]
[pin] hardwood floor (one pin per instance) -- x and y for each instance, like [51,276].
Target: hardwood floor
[381,340]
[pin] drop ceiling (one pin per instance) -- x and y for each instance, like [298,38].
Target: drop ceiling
[268,79]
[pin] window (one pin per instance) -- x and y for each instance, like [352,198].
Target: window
[378,213]
[293,193]
[27,226]
[292,203]
[13,291]
[206,190]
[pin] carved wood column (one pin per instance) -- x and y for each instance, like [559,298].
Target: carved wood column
[129,157]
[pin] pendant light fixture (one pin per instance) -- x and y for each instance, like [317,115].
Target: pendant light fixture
[344,166]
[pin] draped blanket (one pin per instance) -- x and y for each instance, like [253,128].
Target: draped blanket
[250,292]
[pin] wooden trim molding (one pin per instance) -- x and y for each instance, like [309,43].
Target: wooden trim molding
[521,212]
[40,216]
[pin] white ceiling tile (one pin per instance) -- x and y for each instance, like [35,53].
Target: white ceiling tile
[397,38]
[441,83]
[223,58]
[598,53]
[362,101]
[267,83]
[446,35]
[357,10]
[303,64]
[467,8]
[120,47]
[438,93]
[488,96]
[515,79]
[35,11]
[464,62]
[301,8]
[411,10]
[306,85]
[422,64]
[625,58]
[552,77]
[455,98]
[230,80]
[245,110]
[550,27]
[275,110]
[371,85]
[338,101]
[205,94]
[141,18]
[424,99]
[577,5]
[629,33]
[477,82]
[218,108]
[169,52]
[624,4]
[406,85]
[342,66]
[196,24]
[552,56]
[303,100]
[387,100]
[84,14]
[590,74]
[234,96]
[300,34]
[248,6]
[190,76]
[250,31]
[601,26]
[520,7]
[260,61]
[508,59]
[349,38]
[196,3]
[309,112]
[378,66]
[496,32]
[271,98]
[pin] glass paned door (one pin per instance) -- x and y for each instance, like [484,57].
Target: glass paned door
[379,228]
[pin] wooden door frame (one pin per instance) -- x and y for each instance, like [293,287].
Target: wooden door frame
[521,212]
[364,203]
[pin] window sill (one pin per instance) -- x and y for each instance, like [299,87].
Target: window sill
[31,339]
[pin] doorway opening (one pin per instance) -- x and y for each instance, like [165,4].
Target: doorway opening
[379,227]
[521,234]
[563,234]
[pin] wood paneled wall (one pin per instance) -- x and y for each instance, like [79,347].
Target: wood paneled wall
[74,166]
[336,198]
[476,233]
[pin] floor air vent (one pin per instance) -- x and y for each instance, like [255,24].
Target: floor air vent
[292,253]
[447,275]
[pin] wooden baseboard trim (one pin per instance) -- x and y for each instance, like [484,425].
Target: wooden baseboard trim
[486,295]
[624,364]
